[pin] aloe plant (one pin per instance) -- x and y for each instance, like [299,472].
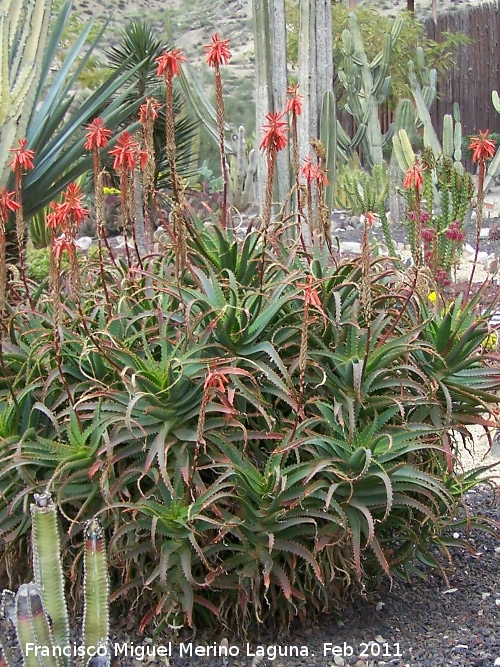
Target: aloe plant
[39,610]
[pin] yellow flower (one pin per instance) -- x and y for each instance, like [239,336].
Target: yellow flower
[490,343]
[110,191]
[432,297]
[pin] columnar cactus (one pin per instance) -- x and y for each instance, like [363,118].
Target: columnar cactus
[39,612]
[242,173]
[23,34]
[367,86]
[271,83]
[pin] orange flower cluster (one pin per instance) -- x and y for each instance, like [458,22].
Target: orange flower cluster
[294,103]
[482,147]
[218,52]
[23,157]
[169,63]
[274,133]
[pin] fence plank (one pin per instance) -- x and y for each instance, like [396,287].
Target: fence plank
[477,70]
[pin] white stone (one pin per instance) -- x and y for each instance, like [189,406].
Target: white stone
[84,242]
[350,246]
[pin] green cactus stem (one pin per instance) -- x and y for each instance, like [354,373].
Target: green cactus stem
[47,565]
[24,628]
[328,137]
[23,36]
[96,586]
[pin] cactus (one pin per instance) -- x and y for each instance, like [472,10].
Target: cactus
[242,173]
[494,166]
[39,612]
[367,86]
[23,34]
[452,127]
[271,84]
[328,137]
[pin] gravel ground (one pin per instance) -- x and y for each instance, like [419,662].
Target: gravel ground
[423,624]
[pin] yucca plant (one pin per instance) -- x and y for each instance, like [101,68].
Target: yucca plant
[39,611]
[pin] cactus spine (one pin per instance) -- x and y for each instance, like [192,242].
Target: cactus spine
[23,35]
[39,612]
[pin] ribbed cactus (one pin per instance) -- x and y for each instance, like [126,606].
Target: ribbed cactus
[242,171]
[23,34]
[38,611]
[328,137]
[271,84]
[366,86]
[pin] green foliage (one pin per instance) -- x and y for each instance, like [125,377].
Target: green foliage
[39,611]
[55,127]
[264,451]
[138,48]
[38,262]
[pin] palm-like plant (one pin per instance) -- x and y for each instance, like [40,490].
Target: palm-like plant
[139,48]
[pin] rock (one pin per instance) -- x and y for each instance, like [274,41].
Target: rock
[83,243]
[350,246]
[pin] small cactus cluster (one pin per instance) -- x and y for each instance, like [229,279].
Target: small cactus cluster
[444,199]
[38,612]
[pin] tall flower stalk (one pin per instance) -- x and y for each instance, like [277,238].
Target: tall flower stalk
[315,176]
[21,163]
[8,204]
[148,113]
[294,109]
[125,155]
[274,140]
[218,54]
[66,217]
[97,138]
[413,183]
[483,150]
[169,66]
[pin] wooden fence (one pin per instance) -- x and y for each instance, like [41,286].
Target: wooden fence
[477,70]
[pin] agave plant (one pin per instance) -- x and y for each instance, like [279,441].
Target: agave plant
[39,611]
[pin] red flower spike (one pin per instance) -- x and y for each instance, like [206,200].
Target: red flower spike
[56,218]
[7,203]
[73,203]
[142,156]
[148,110]
[428,234]
[313,173]
[218,52]
[169,64]
[294,103]
[23,157]
[370,218]
[61,244]
[274,137]
[97,135]
[413,177]
[125,152]
[308,170]
[483,148]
